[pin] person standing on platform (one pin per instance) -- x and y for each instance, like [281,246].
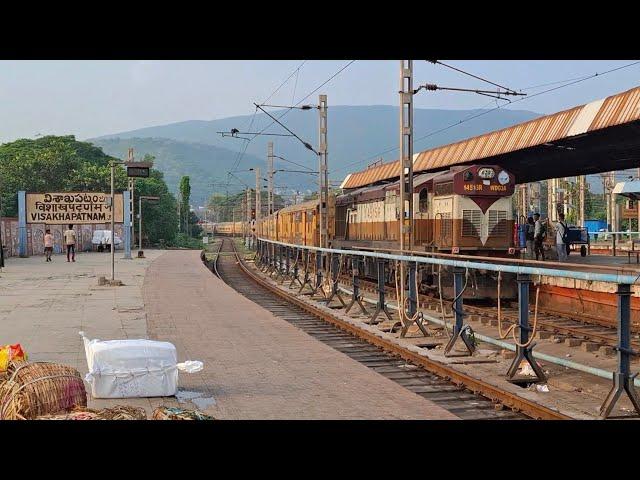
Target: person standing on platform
[70,241]
[48,245]
[539,232]
[561,238]
[530,235]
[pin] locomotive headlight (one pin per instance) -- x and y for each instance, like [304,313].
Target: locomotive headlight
[503,177]
[486,173]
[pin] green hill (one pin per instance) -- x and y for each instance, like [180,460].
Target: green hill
[357,136]
[204,164]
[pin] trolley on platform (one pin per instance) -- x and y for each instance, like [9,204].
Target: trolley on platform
[578,236]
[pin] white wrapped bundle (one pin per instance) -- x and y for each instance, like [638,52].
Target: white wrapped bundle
[133,368]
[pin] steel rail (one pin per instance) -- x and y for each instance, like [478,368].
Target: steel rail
[215,261]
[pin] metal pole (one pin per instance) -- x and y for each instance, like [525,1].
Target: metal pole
[270,177]
[406,153]
[127,225]
[132,183]
[581,182]
[623,380]
[258,196]
[139,224]
[323,180]
[615,226]
[406,162]
[248,215]
[638,207]
[113,222]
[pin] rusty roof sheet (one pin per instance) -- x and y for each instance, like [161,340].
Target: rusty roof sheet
[614,110]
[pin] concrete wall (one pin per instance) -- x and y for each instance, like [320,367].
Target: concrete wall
[35,236]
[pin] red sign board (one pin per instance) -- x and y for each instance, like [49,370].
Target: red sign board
[484,180]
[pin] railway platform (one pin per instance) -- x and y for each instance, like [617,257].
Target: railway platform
[44,305]
[258,366]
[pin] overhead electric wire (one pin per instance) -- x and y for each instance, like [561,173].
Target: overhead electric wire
[241,154]
[485,112]
[294,163]
[306,144]
[239,158]
[470,74]
[310,93]
[295,72]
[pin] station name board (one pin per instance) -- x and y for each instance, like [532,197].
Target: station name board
[73,208]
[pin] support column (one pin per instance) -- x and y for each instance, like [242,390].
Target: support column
[581,184]
[318,285]
[381,307]
[126,231]
[355,280]
[413,303]
[270,178]
[622,378]
[524,349]
[459,330]
[306,280]
[335,277]
[406,162]
[22,224]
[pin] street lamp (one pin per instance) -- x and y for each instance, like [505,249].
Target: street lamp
[140,198]
[112,204]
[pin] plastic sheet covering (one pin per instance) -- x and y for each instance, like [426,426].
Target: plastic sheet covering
[133,368]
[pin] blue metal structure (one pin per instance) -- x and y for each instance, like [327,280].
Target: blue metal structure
[623,380]
[22,223]
[127,224]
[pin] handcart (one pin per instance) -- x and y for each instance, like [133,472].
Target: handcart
[578,236]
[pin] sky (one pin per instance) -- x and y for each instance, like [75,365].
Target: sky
[93,98]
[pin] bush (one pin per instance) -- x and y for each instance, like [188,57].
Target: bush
[185,241]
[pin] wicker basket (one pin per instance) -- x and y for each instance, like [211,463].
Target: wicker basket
[172,413]
[40,388]
[119,412]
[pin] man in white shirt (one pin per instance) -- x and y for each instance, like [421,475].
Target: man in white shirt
[70,242]
[561,230]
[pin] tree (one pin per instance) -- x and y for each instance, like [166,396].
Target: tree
[185,193]
[160,218]
[51,163]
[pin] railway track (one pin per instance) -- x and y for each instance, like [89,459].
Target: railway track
[457,399]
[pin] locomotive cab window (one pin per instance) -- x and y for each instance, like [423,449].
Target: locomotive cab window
[423,199]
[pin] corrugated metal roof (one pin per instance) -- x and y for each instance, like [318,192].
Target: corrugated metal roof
[614,110]
[627,187]
[372,175]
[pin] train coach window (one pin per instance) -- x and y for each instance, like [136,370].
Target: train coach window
[423,201]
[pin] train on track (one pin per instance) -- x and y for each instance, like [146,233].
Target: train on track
[232,229]
[466,210]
